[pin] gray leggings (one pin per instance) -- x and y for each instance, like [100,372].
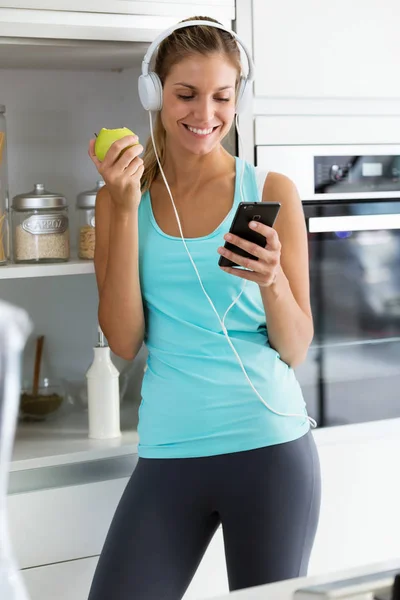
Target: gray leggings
[266,499]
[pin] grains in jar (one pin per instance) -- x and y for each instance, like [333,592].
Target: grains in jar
[85,205]
[40,227]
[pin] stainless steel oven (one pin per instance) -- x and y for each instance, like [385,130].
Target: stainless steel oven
[351,200]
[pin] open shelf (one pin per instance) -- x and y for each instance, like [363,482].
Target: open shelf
[73,267]
[82,55]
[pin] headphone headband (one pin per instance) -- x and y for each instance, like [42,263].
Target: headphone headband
[155,43]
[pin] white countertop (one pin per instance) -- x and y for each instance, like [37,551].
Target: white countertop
[65,441]
[284,590]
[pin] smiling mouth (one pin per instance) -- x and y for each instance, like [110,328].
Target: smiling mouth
[200,132]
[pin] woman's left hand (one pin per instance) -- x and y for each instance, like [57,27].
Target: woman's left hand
[262,271]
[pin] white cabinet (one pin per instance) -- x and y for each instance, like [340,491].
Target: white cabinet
[116,20]
[359,522]
[331,50]
[62,524]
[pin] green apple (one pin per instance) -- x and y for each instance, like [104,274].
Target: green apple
[106,137]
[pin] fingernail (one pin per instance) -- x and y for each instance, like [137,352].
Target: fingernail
[253,224]
[227,236]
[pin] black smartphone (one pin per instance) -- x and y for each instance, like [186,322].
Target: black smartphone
[264,212]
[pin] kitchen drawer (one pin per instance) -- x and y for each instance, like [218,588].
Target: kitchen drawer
[62,523]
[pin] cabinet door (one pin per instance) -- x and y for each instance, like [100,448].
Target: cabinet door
[136,7]
[314,49]
[63,523]
[131,20]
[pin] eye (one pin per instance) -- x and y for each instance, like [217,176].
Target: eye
[185,97]
[222,99]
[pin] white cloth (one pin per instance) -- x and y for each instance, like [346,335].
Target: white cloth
[261,175]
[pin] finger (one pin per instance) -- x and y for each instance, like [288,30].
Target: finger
[250,247]
[117,147]
[128,157]
[247,263]
[269,233]
[134,167]
[92,154]
[249,275]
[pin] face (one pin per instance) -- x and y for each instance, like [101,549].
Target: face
[199,102]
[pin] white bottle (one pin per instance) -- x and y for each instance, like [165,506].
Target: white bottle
[103,394]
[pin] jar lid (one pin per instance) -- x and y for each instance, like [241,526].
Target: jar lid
[2,108]
[88,199]
[38,198]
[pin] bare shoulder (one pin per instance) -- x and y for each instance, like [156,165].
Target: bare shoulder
[280,188]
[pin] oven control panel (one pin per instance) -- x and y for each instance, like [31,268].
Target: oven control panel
[344,174]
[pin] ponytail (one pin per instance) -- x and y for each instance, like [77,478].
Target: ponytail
[151,168]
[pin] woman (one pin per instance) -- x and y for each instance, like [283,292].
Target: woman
[210,452]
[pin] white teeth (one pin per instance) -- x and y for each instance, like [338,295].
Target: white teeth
[200,131]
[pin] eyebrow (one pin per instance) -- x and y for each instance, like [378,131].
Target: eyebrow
[193,87]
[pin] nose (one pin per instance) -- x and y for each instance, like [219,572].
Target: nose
[203,110]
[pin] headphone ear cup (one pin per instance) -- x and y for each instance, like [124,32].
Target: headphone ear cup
[243,96]
[150,91]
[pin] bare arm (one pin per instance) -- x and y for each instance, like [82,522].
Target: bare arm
[281,271]
[287,300]
[116,259]
[116,255]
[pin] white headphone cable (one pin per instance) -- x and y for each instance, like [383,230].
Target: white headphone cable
[221,321]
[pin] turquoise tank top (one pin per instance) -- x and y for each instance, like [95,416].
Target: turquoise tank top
[196,400]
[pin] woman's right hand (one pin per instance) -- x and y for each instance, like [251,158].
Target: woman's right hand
[121,172]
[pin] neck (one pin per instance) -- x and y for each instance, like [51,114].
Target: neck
[183,169]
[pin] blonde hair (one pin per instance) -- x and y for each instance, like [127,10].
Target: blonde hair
[177,46]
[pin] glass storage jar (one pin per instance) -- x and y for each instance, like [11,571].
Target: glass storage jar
[85,204]
[40,227]
[4,216]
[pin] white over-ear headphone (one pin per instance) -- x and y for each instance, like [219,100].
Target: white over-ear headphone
[150,86]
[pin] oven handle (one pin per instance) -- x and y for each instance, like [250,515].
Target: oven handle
[353,223]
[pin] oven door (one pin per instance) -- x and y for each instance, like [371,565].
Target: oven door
[352,372]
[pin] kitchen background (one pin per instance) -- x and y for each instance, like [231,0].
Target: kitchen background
[52,112]
[69,68]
